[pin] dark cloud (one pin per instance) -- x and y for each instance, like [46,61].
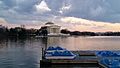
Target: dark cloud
[16,11]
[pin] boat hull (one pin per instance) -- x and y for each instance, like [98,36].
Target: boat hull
[60,57]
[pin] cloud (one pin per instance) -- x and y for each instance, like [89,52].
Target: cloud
[34,24]
[39,11]
[42,7]
[97,11]
[6,24]
[2,21]
[65,7]
[89,25]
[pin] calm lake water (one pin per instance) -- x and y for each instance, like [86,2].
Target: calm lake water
[26,53]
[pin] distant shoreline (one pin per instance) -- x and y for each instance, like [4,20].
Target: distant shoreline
[23,32]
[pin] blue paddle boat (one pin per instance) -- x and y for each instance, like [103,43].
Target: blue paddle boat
[111,63]
[108,54]
[58,53]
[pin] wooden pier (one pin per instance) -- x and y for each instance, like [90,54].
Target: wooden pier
[83,59]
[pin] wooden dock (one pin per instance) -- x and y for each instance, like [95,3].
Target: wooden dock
[83,59]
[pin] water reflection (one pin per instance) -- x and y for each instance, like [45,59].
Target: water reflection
[20,53]
[53,41]
[3,43]
[84,43]
[26,52]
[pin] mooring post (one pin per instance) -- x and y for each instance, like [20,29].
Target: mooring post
[44,48]
[42,53]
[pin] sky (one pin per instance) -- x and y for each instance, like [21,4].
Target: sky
[80,15]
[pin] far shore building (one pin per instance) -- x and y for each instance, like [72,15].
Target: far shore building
[52,28]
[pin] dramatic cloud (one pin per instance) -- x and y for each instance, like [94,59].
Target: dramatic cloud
[40,11]
[42,7]
[98,10]
[88,25]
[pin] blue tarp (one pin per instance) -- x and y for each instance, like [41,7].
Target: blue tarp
[107,54]
[51,48]
[58,51]
[64,53]
[55,48]
[59,48]
[111,63]
[111,59]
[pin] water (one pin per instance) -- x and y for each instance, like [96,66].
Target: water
[88,43]
[26,53]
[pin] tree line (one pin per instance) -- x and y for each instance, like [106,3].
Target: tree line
[86,33]
[23,32]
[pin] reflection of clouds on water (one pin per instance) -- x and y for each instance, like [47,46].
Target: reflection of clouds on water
[85,43]
[53,41]
[23,53]
[27,52]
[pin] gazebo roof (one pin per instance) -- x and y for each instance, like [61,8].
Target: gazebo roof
[48,23]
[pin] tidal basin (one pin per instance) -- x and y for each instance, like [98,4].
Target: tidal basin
[26,52]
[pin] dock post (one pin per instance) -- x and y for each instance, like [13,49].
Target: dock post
[42,53]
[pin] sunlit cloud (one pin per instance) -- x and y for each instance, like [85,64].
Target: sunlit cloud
[88,25]
[42,7]
[81,15]
[2,21]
